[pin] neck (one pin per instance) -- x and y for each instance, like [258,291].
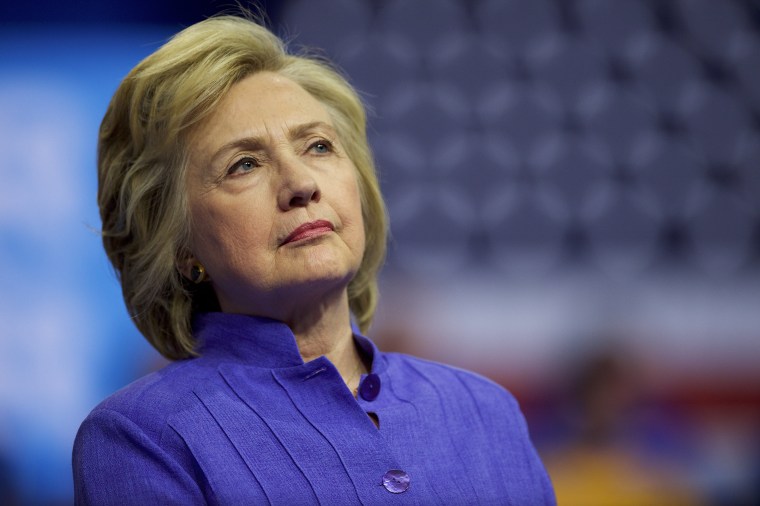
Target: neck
[320,329]
[326,330]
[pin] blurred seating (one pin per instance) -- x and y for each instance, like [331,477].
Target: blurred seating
[526,230]
[662,68]
[424,112]
[430,218]
[625,117]
[331,26]
[571,169]
[715,122]
[392,62]
[614,25]
[472,64]
[623,249]
[748,173]
[671,173]
[424,23]
[515,25]
[709,25]
[619,118]
[721,249]
[522,115]
[568,65]
[744,61]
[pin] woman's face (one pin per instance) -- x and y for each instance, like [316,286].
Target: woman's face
[274,200]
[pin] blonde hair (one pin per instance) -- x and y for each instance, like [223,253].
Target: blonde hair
[142,165]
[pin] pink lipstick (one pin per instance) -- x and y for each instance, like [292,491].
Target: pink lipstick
[309,230]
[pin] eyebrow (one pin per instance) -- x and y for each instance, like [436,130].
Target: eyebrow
[257,142]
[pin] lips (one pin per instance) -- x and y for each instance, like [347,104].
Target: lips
[308,231]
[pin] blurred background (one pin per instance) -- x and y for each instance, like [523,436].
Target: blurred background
[574,193]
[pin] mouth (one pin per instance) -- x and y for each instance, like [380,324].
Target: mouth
[309,231]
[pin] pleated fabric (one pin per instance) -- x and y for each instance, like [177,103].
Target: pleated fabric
[248,422]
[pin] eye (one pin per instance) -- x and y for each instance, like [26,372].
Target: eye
[321,147]
[243,166]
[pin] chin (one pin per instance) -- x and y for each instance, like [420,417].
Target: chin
[327,278]
[327,265]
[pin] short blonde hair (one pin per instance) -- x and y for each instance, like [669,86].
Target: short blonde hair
[142,164]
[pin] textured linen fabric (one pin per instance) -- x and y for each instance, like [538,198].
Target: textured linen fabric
[248,422]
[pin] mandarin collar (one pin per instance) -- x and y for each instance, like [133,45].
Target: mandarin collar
[259,341]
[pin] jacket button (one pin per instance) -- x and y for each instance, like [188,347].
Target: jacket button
[370,387]
[396,481]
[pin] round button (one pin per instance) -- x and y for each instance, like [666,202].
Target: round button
[370,387]
[396,481]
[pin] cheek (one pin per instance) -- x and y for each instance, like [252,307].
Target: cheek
[221,232]
[354,216]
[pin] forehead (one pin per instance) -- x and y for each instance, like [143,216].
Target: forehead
[263,104]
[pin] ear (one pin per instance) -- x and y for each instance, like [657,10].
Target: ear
[185,265]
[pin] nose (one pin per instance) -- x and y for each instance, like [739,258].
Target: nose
[297,186]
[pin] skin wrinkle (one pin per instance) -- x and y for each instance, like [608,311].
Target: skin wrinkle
[241,220]
[258,143]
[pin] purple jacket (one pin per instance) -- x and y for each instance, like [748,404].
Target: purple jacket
[248,422]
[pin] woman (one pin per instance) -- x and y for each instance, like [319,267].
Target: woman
[241,210]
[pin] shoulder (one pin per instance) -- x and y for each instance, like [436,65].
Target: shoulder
[430,370]
[149,401]
[474,414]
[127,439]
[452,383]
